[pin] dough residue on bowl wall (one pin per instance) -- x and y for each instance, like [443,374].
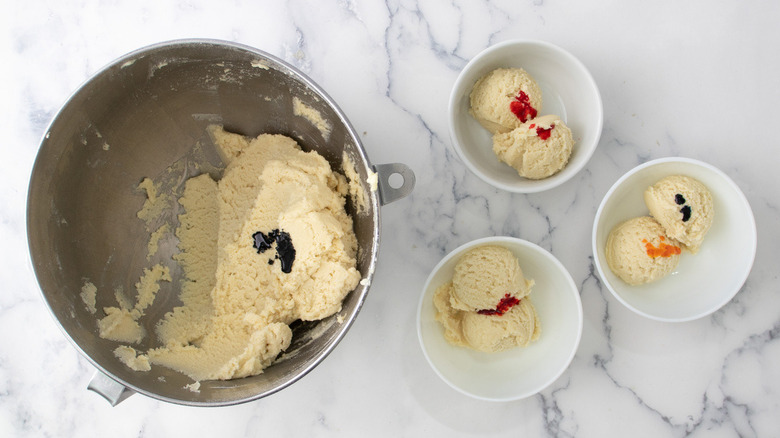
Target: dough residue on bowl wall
[313,116]
[121,323]
[88,296]
[260,63]
[193,387]
[155,203]
[130,357]
[356,192]
[154,240]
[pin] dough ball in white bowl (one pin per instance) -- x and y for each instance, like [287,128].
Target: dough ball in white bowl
[702,282]
[568,91]
[518,372]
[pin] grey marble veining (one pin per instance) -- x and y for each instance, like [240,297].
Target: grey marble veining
[695,79]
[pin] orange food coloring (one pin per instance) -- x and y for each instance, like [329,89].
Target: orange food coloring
[662,250]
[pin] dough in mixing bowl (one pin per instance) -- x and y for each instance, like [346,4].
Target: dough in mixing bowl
[267,244]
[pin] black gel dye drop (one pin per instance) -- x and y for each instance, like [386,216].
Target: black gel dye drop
[262,242]
[686,212]
[285,251]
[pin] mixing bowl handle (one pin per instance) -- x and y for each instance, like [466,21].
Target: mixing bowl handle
[109,388]
[388,193]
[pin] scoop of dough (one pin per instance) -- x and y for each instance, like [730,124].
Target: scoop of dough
[517,327]
[684,207]
[504,99]
[537,149]
[484,276]
[493,333]
[449,318]
[638,251]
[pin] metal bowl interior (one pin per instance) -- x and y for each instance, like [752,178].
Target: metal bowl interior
[145,115]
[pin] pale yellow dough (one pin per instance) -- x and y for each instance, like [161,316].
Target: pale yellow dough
[356,192]
[155,202]
[491,333]
[662,200]
[154,240]
[130,357]
[626,251]
[237,302]
[492,95]
[483,277]
[121,323]
[532,156]
[313,116]
[89,296]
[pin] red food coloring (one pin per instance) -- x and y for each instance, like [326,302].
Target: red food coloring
[521,107]
[503,306]
[542,133]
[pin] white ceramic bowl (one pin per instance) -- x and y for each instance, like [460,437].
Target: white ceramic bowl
[520,372]
[568,90]
[703,282]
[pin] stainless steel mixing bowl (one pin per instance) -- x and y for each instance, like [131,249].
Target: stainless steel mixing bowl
[145,115]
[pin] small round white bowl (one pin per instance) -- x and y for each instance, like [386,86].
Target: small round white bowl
[568,91]
[516,373]
[703,282]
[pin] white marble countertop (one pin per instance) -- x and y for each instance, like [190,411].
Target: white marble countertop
[692,79]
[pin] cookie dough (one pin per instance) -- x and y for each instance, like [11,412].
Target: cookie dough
[638,251]
[121,323]
[504,99]
[267,244]
[684,207]
[154,205]
[537,149]
[484,275]
[486,306]
[89,296]
[130,357]
[518,327]
[359,196]
[313,116]
[154,240]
